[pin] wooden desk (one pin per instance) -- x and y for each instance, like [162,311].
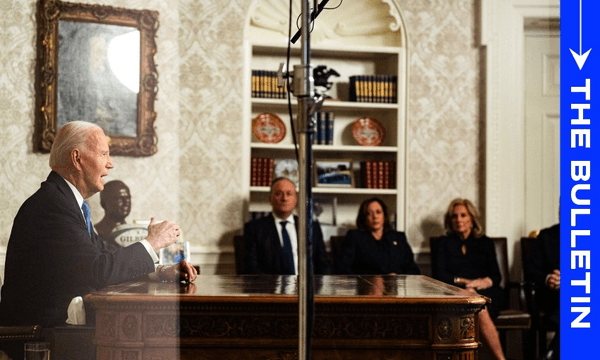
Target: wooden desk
[256,317]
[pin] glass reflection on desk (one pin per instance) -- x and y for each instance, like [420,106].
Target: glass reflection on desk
[286,286]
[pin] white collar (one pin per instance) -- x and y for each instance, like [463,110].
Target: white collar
[289,219]
[76,192]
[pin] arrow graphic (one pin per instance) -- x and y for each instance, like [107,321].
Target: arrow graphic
[580,58]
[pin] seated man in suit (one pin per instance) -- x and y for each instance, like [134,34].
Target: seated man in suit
[54,257]
[544,269]
[270,238]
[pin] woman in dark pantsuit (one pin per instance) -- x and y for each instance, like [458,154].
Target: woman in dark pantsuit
[375,248]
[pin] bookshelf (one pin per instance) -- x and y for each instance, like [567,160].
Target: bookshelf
[378,50]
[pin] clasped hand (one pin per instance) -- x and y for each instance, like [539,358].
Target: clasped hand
[183,270]
[553,280]
[478,284]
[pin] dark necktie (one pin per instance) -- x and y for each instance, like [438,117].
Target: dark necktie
[86,214]
[288,256]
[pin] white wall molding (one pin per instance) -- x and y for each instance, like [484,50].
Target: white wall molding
[213,259]
[503,38]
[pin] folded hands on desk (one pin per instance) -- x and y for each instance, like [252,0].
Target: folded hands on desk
[182,271]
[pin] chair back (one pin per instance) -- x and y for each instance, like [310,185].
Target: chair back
[433,247]
[527,244]
[501,257]
[239,248]
[336,242]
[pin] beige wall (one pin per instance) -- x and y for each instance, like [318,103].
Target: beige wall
[195,177]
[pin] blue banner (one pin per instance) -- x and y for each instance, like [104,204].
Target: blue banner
[579,216]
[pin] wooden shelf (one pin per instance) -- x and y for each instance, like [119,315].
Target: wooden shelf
[328,148]
[336,190]
[355,52]
[327,104]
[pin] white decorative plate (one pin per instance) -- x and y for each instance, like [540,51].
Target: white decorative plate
[287,168]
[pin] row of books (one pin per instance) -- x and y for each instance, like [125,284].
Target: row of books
[264,85]
[374,174]
[325,125]
[378,174]
[255,215]
[261,171]
[374,88]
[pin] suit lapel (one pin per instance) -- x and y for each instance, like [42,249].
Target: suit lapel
[273,234]
[64,188]
[276,251]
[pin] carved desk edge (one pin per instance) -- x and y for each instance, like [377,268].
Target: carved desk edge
[434,324]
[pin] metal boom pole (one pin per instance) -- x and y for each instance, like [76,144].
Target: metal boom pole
[304,91]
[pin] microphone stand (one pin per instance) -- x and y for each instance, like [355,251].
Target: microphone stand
[303,88]
[313,16]
[304,91]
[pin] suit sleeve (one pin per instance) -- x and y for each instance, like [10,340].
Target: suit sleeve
[251,265]
[72,251]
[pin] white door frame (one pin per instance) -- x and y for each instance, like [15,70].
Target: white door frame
[503,35]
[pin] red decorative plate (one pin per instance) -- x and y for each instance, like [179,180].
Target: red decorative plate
[268,128]
[368,132]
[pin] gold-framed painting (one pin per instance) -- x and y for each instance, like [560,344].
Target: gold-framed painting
[96,63]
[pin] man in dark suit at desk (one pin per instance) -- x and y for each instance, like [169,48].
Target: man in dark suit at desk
[54,256]
[272,241]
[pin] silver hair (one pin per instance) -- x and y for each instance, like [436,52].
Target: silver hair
[71,136]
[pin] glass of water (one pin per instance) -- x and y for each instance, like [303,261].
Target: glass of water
[37,351]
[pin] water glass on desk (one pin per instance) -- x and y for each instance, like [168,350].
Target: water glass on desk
[37,351]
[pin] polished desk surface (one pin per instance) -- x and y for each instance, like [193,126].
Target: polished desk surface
[284,289]
[239,317]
